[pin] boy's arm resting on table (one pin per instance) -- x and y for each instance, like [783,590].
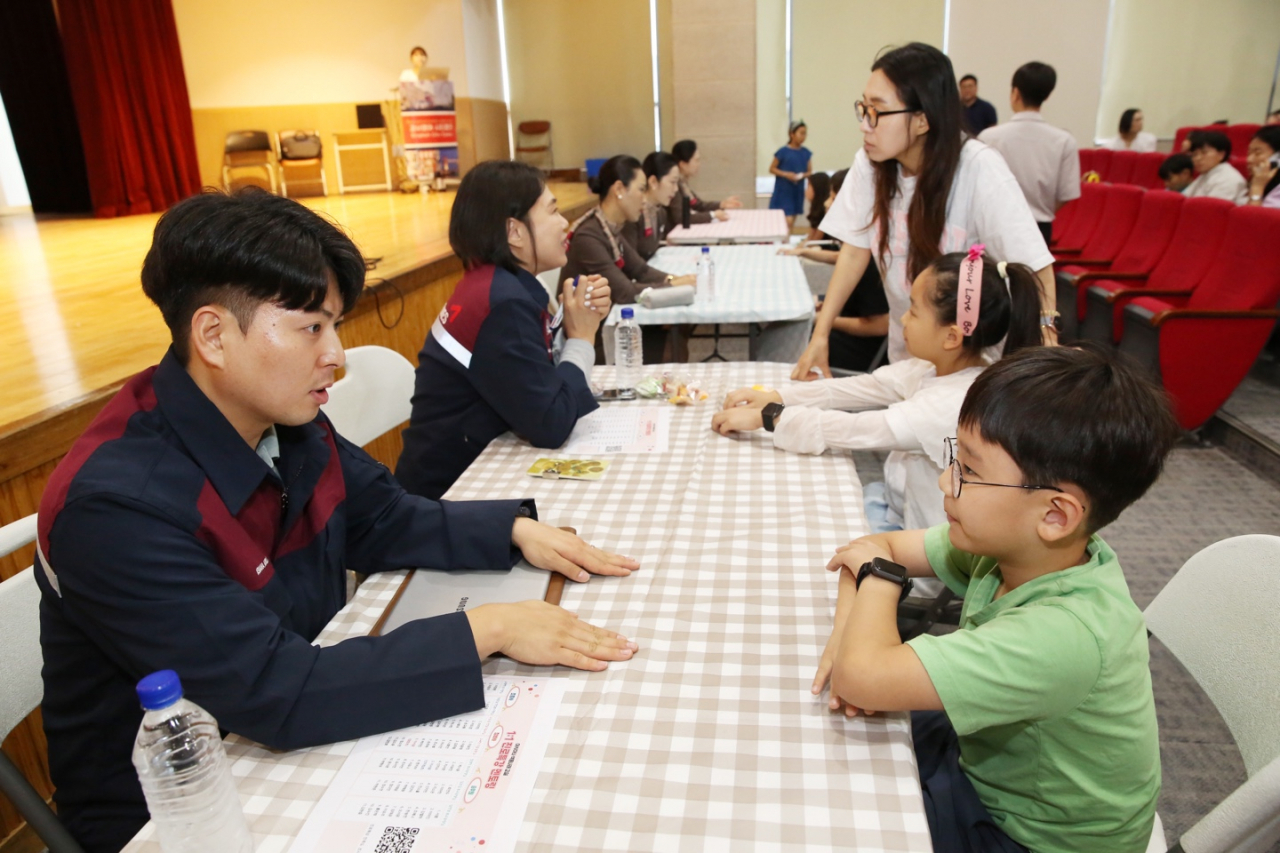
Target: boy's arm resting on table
[158,598]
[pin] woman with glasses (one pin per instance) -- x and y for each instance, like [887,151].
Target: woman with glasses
[920,187]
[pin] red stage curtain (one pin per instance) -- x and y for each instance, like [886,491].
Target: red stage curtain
[125,66]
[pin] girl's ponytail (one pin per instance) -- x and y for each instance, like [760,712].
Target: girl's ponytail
[1008,309]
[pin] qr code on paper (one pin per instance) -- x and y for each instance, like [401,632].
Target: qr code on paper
[397,839]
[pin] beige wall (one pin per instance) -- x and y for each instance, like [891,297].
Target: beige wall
[834,43]
[583,65]
[1187,62]
[246,53]
[989,40]
[714,53]
[666,77]
[771,80]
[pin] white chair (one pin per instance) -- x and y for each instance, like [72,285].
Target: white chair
[1219,618]
[551,283]
[373,397]
[20,662]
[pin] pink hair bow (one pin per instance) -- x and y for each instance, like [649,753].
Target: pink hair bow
[969,291]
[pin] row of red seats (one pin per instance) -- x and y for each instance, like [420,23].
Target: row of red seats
[1123,167]
[1188,287]
[1239,134]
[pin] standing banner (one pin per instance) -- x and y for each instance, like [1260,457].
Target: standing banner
[429,124]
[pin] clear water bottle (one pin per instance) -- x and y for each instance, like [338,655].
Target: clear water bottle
[711,273]
[703,276]
[185,774]
[628,351]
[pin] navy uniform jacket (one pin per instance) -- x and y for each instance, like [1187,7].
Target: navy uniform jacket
[165,542]
[487,367]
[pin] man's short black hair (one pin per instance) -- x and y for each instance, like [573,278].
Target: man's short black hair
[241,250]
[1035,82]
[968,77]
[1215,139]
[684,150]
[1081,416]
[1174,164]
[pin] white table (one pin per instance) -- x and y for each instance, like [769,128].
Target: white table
[708,740]
[742,226]
[754,285]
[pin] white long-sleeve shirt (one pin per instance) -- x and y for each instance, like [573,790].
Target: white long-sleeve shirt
[904,407]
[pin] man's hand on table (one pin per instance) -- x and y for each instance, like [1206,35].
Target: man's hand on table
[543,634]
[557,550]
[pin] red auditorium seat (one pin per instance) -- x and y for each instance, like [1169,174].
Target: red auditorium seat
[1146,171]
[1087,156]
[1201,226]
[1115,221]
[1183,132]
[1156,222]
[1122,163]
[1202,351]
[1063,218]
[1239,134]
[1102,162]
[1083,220]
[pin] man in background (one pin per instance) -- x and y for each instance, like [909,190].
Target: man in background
[978,114]
[1042,157]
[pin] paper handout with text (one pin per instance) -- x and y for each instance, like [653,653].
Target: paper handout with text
[458,784]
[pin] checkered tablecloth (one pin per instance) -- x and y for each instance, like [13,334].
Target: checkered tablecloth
[754,284]
[742,226]
[708,739]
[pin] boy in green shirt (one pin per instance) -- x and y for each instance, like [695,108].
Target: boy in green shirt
[1035,727]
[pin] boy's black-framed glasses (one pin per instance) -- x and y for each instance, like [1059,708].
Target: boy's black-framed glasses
[871,115]
[958,481]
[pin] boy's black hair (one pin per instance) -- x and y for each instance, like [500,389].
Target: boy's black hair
[968,77]
[1035,81]
[684,150]
[241,250]
[490,194]
[1082,416]
[1213,138]
[1173,164]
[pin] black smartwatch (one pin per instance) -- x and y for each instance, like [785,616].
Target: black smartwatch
[769,414]
[888,570]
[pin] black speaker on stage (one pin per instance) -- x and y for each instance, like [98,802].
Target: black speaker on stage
[369,116]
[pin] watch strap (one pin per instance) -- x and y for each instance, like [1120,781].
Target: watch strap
[769,415]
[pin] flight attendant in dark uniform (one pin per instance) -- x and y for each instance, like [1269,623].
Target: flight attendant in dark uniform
[701,210]
[596,246]
[496,359]
[662,181]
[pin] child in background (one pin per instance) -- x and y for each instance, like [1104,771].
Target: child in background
[910,406]
[1033,724]
[817,193]
[792,163]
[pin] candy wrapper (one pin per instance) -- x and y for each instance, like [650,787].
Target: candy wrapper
[675,388]
[568,469]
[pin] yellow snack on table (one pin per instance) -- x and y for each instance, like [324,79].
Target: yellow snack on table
[568,469]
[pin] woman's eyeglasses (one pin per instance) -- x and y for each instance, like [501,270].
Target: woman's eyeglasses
[871,115]
[958,481]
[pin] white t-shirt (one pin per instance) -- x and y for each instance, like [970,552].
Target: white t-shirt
[903,407]
[1222,181]
[986,205]
[1143,143]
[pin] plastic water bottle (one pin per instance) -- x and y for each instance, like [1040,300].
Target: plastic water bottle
[711,273]
[185,774]
[703,276]
[628,351]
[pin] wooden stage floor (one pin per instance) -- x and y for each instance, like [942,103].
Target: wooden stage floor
[73,319]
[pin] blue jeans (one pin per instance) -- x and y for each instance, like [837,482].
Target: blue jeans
[877,508]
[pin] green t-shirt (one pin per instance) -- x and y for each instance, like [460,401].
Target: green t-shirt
[1049,689]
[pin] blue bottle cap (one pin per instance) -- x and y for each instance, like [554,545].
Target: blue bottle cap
[706,250]
[159,690]
[628,313]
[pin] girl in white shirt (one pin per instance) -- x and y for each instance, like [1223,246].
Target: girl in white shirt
[1131,136]
[920,187]
[910,406]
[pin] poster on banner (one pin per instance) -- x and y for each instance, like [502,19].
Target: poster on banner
[458,784]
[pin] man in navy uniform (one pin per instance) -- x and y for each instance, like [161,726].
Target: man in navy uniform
[205,520]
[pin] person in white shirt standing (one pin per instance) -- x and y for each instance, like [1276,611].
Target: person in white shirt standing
[1042,157]
[919,187]
[1131,137]
[1210,153]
